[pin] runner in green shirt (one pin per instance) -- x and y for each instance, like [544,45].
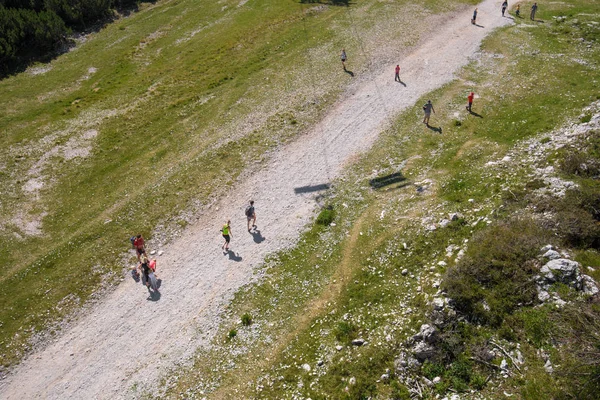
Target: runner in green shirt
[226,231]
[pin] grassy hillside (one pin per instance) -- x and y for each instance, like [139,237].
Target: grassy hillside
[393,248]
[147,121]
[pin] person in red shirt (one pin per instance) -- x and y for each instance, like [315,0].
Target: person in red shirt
[138,243]
[397,78]
[470,100]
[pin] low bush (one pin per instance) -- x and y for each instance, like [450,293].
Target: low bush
[246,319]
[345,332]
[495,276]
[326,216]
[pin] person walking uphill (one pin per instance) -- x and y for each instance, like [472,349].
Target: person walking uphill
[226,232]
[427,109]
[139,244]
[470,98]
[344,58]
[474,19]
[504,7]
[251,215]
[533,10]
[397,78]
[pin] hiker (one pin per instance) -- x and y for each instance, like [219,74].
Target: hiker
[533,10]
[397,78]
[427,109]
[140,248]
[344,58]
[474,19]
[470,100]
[504,7]
[518,11]
[251,215]
[226,231]
[145,269]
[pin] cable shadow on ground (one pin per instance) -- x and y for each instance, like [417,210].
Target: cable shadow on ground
[312,188]
[387,180]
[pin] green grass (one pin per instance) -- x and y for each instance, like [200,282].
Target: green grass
[182,101]
[344,281]
[172,96]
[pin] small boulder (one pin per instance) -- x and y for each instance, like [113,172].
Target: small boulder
[543,296]
[423,351]
[358,342]
[561,270]
[552,254]
[385,378]
[546,248]
[306,367]
[438,303]
[436,380]
[589,285]
[427,333]
[404,272]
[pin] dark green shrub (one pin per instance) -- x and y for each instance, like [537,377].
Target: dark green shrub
[495,276]
[326,216]
[345,332]
[232,333]
[246,319]
[399,391]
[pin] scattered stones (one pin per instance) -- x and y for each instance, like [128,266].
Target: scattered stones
[352,381]
[547,248]
[320,363]
[404,272]
[160,253]
[358,342]
[436,380]
[339,348]
[385,377]
[306,367]
[153,252]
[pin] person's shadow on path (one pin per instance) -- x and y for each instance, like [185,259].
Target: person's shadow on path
[475,114]
[153,295]
[257,236]
[349,72]
[402,83]
[435,129]
[479,26]
[233,256]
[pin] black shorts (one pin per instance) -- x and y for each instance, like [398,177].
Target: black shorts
[140,251]
[227,238]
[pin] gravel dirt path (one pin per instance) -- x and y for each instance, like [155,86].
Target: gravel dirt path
[128,340]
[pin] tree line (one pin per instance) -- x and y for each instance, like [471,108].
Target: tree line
[37,29]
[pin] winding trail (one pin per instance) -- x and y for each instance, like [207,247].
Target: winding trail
[127,341]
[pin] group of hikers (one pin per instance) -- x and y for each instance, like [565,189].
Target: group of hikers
[147,268]
[534,8]
[250,213]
